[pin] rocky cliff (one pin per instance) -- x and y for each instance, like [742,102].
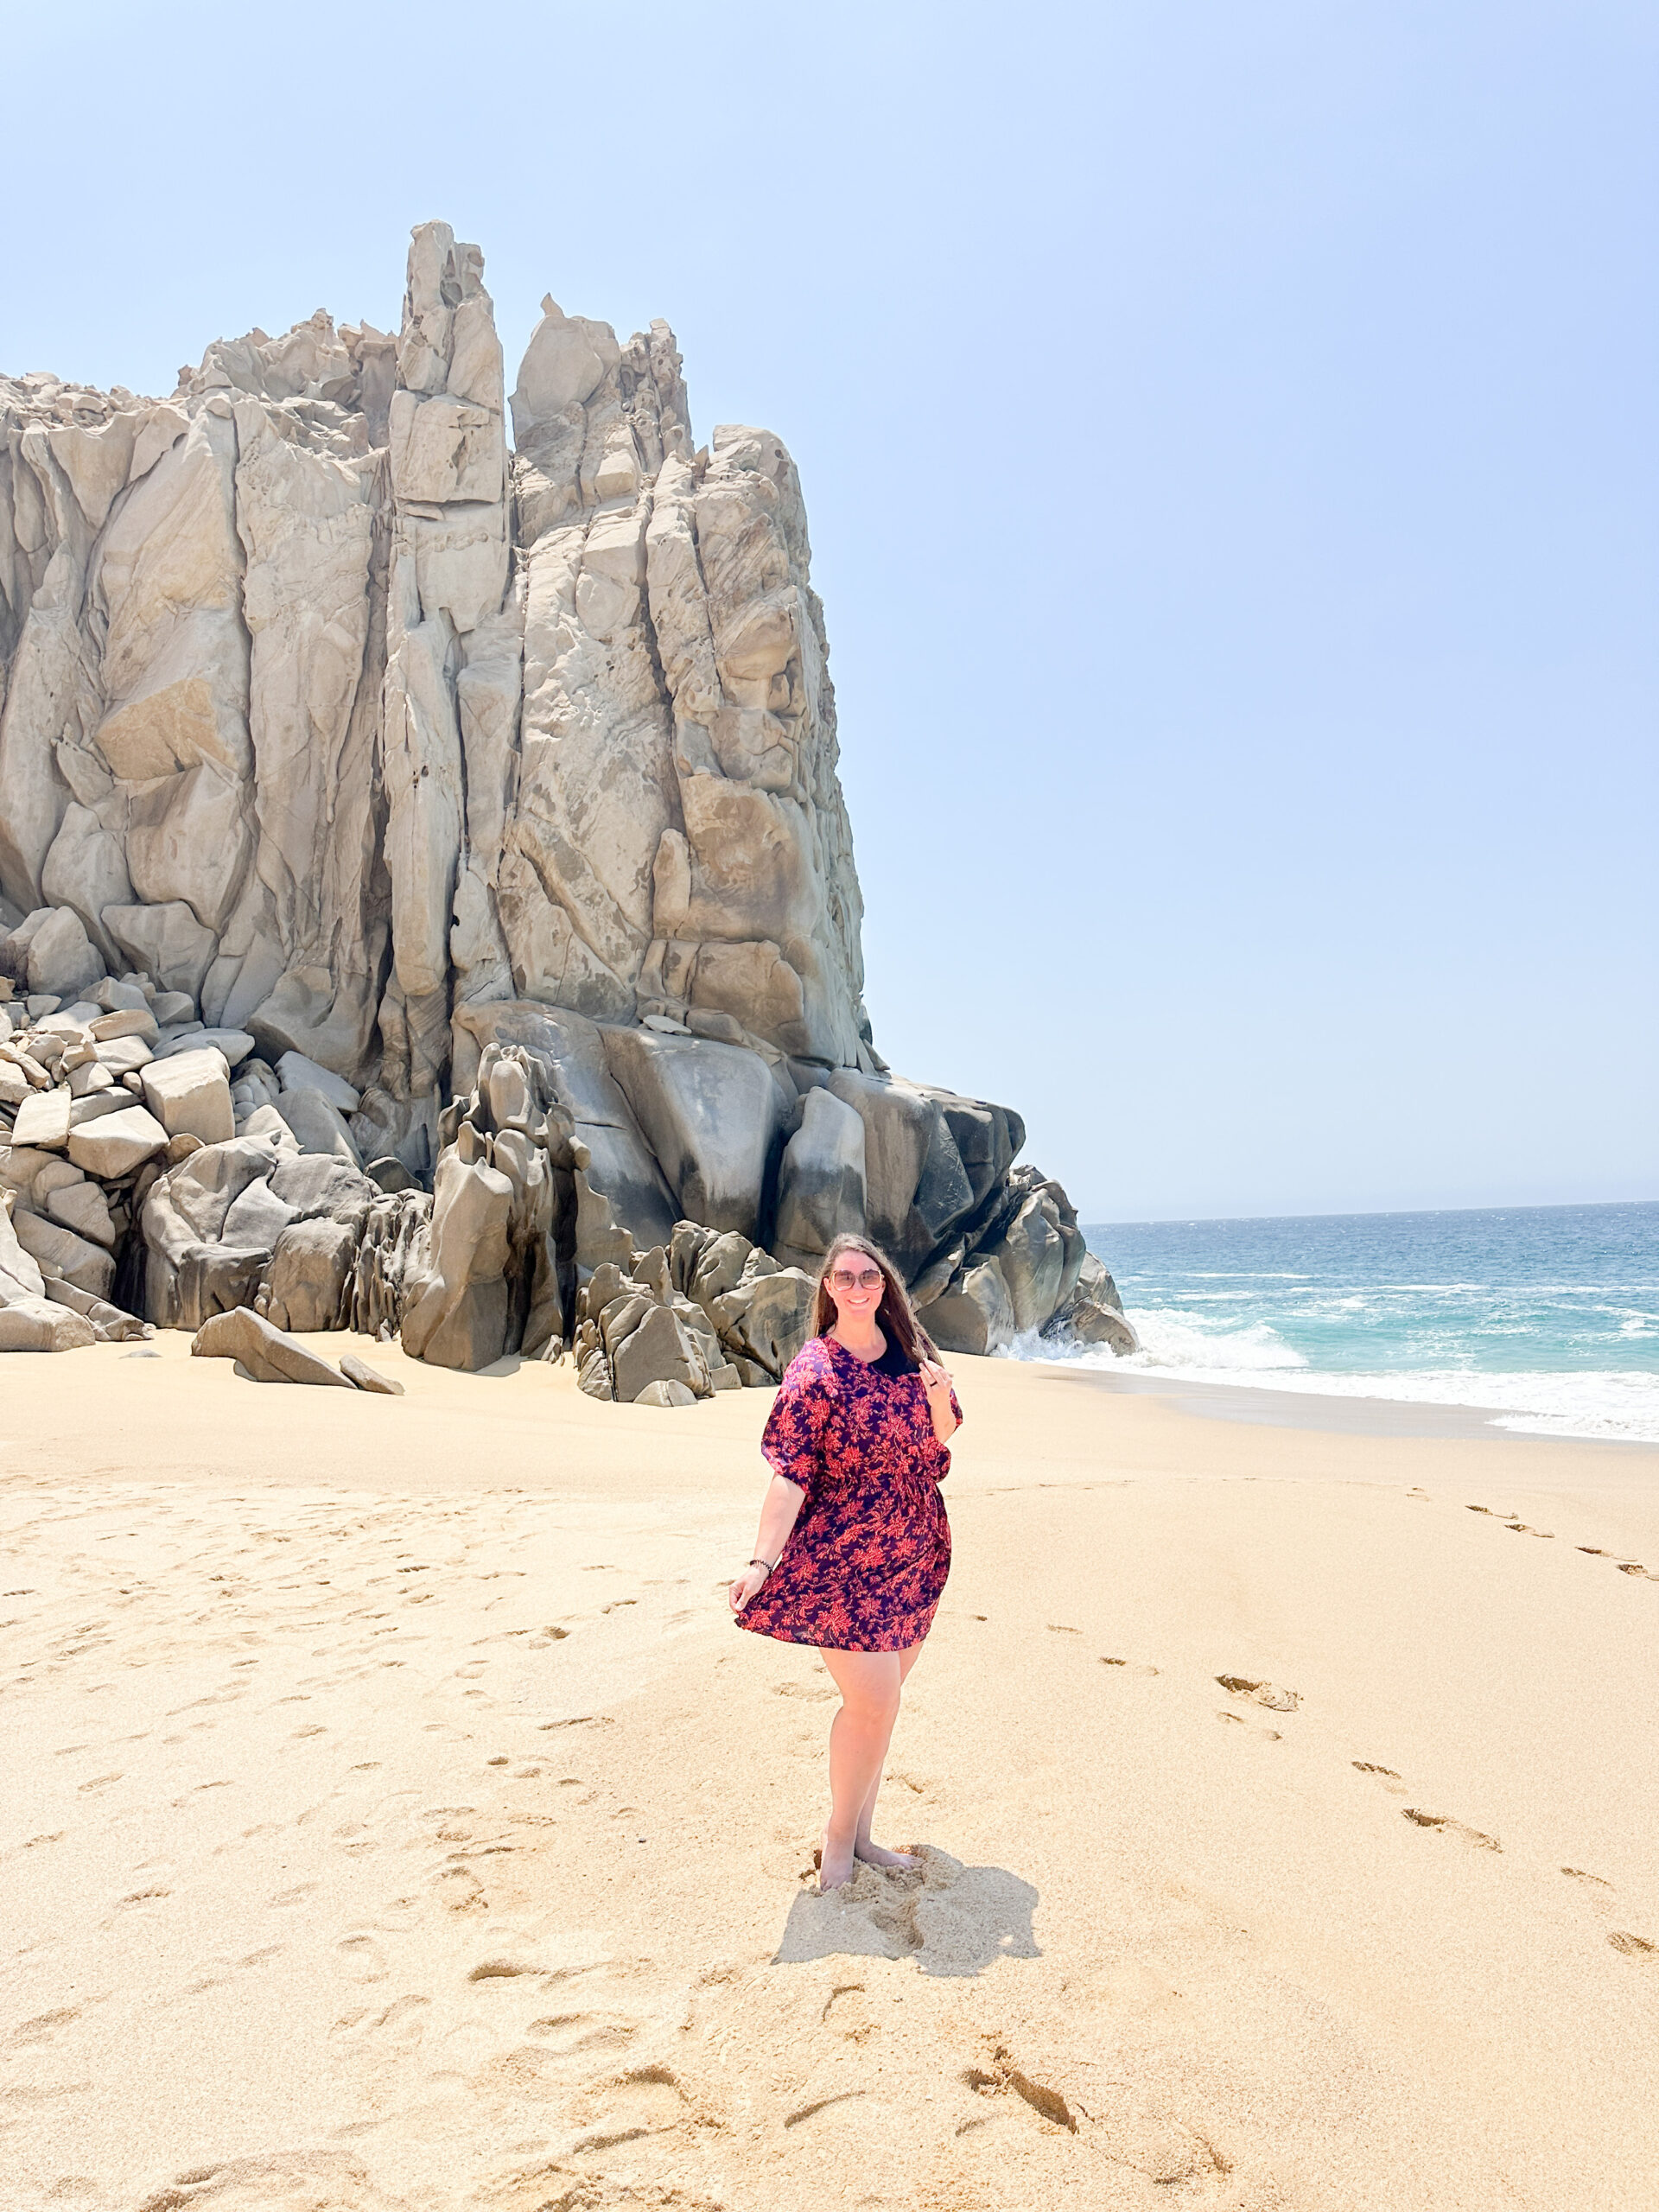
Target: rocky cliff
[434,836]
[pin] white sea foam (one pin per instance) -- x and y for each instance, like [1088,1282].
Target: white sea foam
[1611,1404]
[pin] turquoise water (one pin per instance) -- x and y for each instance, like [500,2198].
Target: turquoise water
[1547,1315]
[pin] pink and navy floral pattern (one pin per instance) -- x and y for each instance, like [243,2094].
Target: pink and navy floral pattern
[866,1563]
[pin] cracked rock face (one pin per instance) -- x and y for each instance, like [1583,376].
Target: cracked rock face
[321,699]
[367,737]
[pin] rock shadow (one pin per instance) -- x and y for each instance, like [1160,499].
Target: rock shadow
[951,1919]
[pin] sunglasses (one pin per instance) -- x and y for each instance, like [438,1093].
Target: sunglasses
[866,1279]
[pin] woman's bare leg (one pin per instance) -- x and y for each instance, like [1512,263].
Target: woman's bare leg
[859,1735]
[875,1854]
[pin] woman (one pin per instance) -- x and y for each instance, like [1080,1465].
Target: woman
[854,1546]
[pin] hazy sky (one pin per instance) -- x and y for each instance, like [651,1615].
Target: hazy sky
[1228,432]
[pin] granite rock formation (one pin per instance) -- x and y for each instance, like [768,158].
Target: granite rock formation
[427,899]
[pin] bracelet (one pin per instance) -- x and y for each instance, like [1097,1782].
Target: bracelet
[767,1564]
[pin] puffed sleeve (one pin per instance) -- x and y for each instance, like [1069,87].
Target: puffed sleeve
[792,1441]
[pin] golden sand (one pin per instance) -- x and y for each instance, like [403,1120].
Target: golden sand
[393,1819]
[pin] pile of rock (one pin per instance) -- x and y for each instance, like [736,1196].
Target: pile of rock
[708,1312]
[662,1201]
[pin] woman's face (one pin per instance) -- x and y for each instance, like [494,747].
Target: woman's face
[855,1284]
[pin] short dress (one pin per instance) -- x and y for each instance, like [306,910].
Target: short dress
[864,1565]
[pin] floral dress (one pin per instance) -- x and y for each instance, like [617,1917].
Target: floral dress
[866,1563]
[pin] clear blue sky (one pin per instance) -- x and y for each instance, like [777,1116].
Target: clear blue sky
[1227,428]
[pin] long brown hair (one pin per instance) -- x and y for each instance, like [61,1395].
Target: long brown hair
[894,1317]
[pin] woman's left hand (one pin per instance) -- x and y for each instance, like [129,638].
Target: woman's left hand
[936,1381]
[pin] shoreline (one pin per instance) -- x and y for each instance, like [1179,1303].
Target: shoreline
[1333,1412]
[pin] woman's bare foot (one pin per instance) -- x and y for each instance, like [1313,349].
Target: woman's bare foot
[875,1854]
[835,1864]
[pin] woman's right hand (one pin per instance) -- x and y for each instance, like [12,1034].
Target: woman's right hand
[748,1585]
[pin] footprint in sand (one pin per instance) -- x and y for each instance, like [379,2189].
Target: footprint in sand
[1390,1781]
[571,2035]
[1578,1874]
[1633,1947]
[363,1958]
[822,2104]
[1134,1666]
[646,2100]
[1447,1826]
[1267,1694]
[1004,2078]
[1104,2115]
[44,2026]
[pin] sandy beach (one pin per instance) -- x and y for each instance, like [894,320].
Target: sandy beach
[394,1819]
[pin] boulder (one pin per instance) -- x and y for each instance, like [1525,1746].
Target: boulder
[267,1125]
[362,1377]
[658,1350]
[123,1055]
[317,1185]
[125,1021]
[899,1127]
[234,1044]
[821,1179]
[115,1144]
[666,1393]
[266,1354]
[309,1271]
[39,1325]
[977,1316]
[188,1270]
[167,941]
[987,1139]
[88,1076]
[258,1217]
[1031,1258]
[42,1120]
[83,1208]
[112,1324]
[459,1319]
[216,1279]
[1088,1323]
[712,1115]
[389,1174]
[296,1072]
[766,1318]
[190,1093]
[1093,1313]
[20,1273]
[58,1251]
[61,958]
[318,1125]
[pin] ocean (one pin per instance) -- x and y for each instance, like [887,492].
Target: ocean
[1547,1316]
